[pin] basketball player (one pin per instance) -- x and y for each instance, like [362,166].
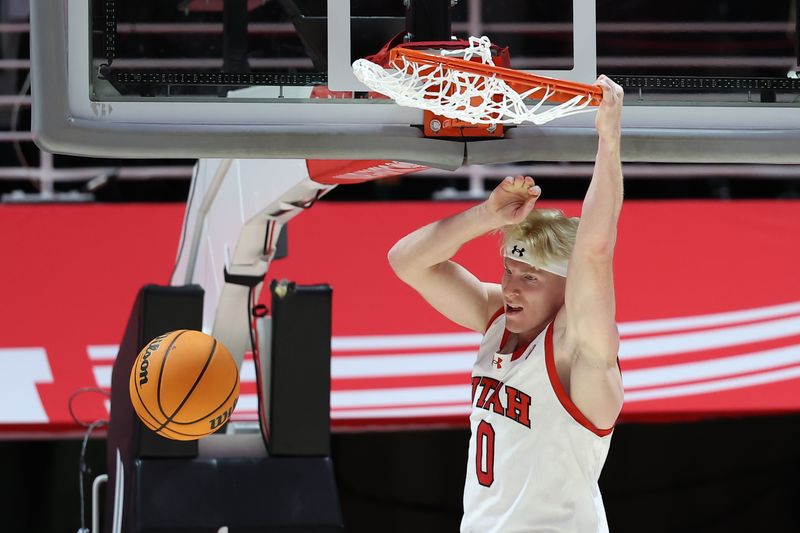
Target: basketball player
[546,389]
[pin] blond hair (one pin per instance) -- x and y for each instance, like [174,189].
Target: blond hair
[549,234]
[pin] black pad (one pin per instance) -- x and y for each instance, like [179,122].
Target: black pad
[156,310]
[269,495]
[297,380]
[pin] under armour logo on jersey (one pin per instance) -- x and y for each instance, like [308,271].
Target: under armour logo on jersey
[517,251]
[498,362]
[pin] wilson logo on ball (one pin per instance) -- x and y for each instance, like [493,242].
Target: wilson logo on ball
[216,423]
[153,346]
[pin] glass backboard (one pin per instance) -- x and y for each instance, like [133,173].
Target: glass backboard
[272,78]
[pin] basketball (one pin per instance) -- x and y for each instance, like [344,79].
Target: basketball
[184,385]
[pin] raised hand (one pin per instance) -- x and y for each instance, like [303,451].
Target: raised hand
[512,200]
[609,114]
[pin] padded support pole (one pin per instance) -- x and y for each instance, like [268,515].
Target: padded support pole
[156,311]
[296,381]
[162,486]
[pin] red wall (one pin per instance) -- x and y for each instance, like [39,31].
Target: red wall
[69,275]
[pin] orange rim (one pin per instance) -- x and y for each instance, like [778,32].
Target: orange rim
[519,81]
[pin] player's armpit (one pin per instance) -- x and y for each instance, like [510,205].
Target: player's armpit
[596,388]
[457,294]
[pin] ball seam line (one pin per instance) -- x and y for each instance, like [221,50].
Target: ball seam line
[139,392]
[191,390]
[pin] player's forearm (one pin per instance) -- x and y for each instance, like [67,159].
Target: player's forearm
[437,242]
[603,202]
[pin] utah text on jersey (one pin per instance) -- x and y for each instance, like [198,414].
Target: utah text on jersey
[494,395]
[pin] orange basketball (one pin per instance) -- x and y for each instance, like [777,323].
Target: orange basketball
[184,385]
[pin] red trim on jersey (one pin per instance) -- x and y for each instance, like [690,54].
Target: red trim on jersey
[519,349]
[494,317]
[558,387]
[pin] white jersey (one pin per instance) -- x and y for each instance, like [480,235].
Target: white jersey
[534,459]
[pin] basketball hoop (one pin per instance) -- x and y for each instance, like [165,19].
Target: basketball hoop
[466,85]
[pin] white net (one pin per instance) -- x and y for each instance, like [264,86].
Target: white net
[474,98]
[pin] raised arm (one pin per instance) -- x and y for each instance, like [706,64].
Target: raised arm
[422,258]
[591,330]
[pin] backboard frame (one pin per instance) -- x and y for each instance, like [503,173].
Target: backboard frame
[66,122]
[75,123]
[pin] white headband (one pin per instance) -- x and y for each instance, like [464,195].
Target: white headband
[519,251]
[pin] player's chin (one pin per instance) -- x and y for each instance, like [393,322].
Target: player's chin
[515,322]
[520,322]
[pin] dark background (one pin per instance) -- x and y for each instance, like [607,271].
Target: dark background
[724,475]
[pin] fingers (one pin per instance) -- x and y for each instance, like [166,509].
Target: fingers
[608,120]
[527,207]
[514,198]
[523,183]
[612,92]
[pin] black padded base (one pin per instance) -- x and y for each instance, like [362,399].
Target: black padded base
[255,495]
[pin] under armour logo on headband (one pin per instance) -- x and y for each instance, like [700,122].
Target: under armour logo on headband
[518,251]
